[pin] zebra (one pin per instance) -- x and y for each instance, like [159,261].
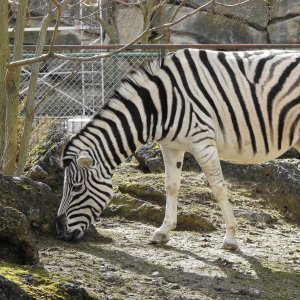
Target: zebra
[238,106]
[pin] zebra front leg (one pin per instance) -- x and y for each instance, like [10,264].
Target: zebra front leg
[209,162]
[173,163]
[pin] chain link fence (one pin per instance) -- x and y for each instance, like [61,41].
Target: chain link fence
[70,92]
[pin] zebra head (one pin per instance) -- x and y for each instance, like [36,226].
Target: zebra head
[86,193]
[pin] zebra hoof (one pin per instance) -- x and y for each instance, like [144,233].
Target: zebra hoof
[233,245]
[160,238]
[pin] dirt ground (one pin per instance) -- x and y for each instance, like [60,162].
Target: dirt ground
[120,262]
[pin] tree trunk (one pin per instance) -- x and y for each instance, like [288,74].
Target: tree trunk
[12,89]
[4,57]
[147,19]
[31,104]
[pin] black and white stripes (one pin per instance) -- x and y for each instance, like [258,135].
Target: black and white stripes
[242,107]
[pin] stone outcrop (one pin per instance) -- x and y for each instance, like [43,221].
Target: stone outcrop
[279,178]
[16,242]
[34,199]
[45,158]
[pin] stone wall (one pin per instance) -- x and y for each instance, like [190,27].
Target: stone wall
[256,21]
[253,22]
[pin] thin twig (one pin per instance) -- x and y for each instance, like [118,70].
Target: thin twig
[231,5]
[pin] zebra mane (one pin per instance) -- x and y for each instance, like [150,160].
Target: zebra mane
[139,75]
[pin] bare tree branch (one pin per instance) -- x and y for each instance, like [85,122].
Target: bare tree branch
[30,104]
[106,26]
[148,29]
[138,38]
[230,5]
[55,32]
[28,61]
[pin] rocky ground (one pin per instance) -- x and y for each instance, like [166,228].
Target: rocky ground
[119,262]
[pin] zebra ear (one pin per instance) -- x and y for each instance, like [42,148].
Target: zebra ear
[84,160]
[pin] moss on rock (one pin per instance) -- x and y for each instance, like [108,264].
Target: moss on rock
[36,283]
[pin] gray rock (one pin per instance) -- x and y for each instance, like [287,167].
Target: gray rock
[11,291]
[17,245]
[34,199]
[257,217]
[45,159]
[38,7]
[218,29]
[252,12]
[67,37]
[254,292]
[279,182]
[150,159]
[285,32]
[37,173]
[182,38]
[129,22]
[281,9]
[75,292]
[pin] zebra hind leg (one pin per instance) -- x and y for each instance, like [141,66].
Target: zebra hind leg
[173,163]
[208,159]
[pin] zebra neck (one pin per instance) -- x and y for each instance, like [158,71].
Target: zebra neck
[130,119]
[113,138]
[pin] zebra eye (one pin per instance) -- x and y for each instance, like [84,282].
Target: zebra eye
[77,188]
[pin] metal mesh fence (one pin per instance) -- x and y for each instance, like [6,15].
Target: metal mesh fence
[72,91]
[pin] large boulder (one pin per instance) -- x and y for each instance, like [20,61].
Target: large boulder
[17,244]
[34,199]
[278,179]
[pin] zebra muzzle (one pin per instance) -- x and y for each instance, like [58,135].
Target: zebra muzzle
[61,225]
[64,233]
